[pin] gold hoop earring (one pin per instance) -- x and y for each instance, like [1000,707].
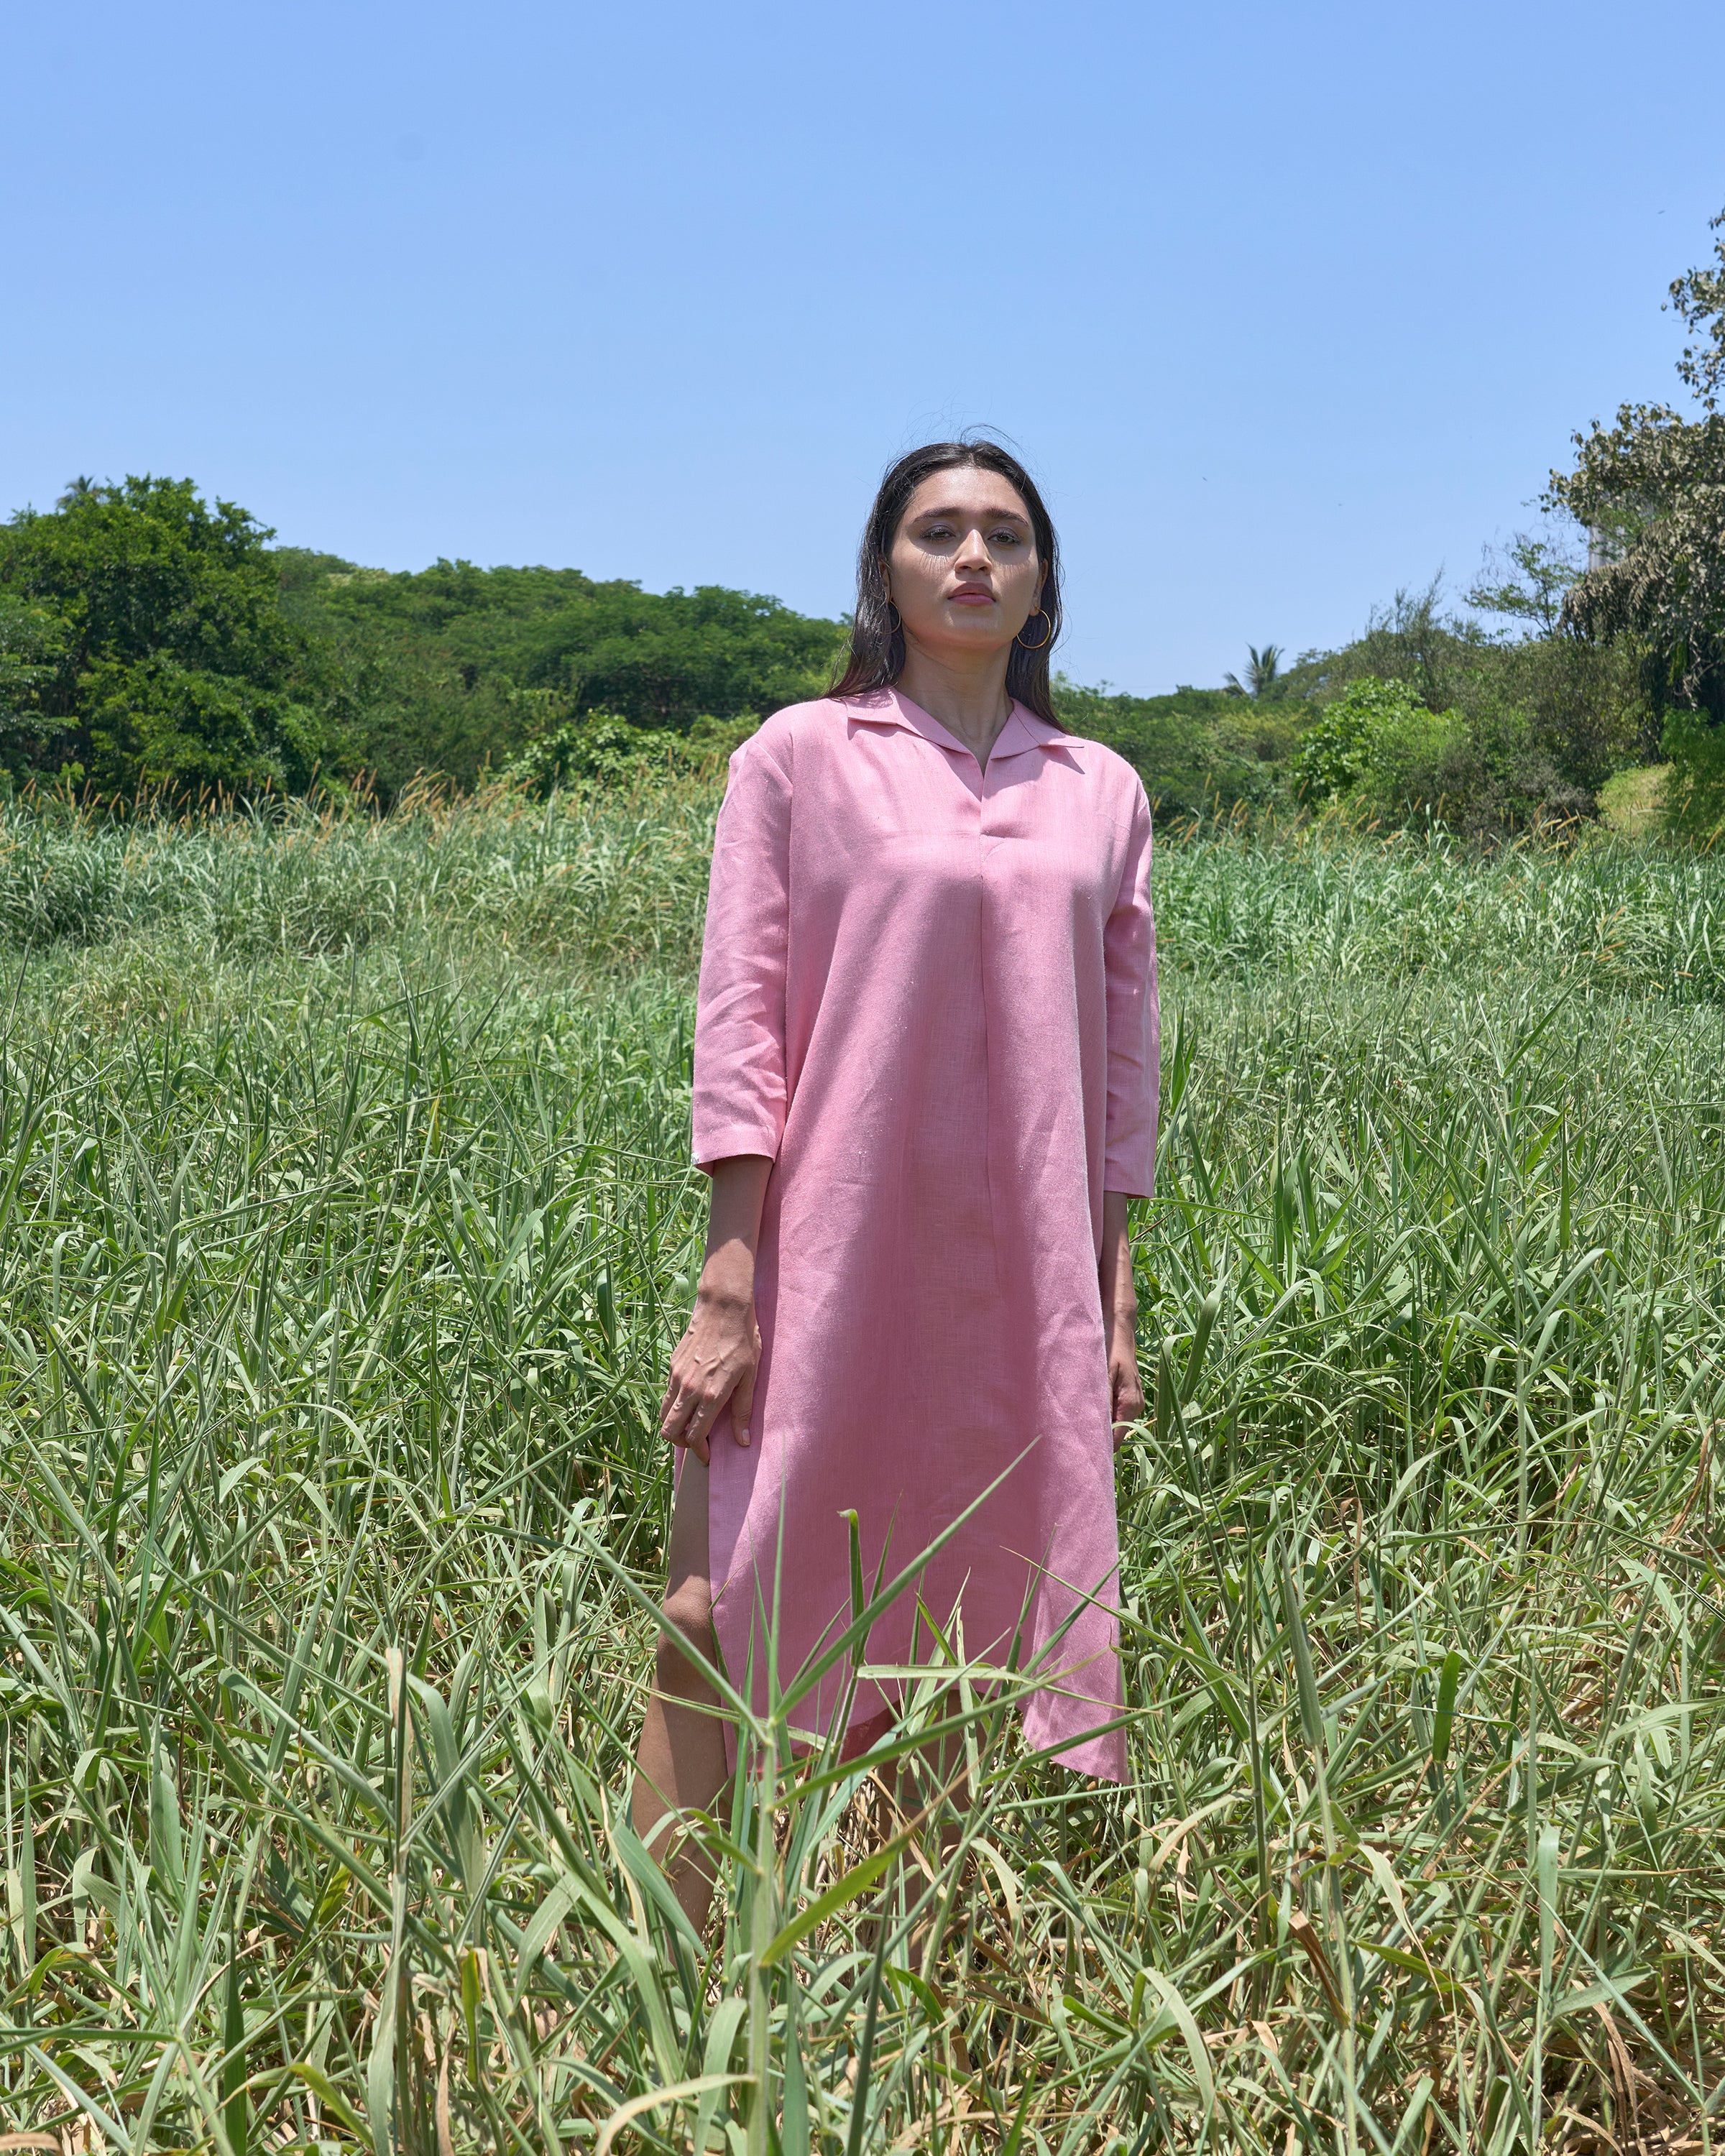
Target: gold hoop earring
[1047,633]
[897,626]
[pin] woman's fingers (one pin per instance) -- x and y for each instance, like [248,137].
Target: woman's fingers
[706,1415]
[673,1409]
[1126,1395]
[713,1368]
[742,1405]
[682,1425]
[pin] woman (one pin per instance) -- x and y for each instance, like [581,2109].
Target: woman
[925,1090]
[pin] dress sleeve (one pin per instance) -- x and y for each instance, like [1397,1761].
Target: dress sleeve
[740,1009]
[1134,1029]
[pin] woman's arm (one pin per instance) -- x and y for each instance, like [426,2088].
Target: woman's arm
[1134,1030]
[717,1359]
[1120,1313]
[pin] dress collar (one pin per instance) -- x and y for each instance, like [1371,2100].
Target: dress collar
[891,707]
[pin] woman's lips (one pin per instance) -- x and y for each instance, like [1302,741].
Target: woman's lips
[973,595]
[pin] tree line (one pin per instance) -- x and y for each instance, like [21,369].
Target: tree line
[152,641]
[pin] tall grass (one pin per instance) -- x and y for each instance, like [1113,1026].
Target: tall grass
[337,1270]
[617,873]
[616,876]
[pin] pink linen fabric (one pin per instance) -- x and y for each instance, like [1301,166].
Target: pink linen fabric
[928,993]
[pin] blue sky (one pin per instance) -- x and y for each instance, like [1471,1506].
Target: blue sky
[1287,306]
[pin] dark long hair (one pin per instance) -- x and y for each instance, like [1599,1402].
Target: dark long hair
[876,655]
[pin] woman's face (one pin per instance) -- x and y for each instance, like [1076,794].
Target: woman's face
[962,571]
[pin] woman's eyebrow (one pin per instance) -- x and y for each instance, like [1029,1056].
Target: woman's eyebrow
[989,516]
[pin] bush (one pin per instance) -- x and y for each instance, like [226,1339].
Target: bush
[1485,771]
[603,748]
[32,642]
[456,669]
[1336,749]
[1199,752]
[1693,801]
[1417,760]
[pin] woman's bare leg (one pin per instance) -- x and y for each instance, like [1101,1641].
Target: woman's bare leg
[681,1765]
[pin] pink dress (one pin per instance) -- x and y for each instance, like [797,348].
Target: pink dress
[928,993]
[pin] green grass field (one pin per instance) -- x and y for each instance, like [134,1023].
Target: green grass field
[344,1223]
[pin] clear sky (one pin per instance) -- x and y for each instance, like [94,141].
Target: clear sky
[1287,306]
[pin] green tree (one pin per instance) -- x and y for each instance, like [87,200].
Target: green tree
[154,723]
[1263,672]
[1529,587]
[1652,489]
[1199,752]
[169,661]
[32,642]
[458,666]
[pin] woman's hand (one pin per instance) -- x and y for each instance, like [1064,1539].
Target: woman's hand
[1125,1387]
[714,1364]
[1120,1316]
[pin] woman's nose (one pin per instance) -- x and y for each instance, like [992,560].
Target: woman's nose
[972,552]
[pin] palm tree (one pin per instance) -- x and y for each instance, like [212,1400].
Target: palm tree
[81,489]
[1262,674]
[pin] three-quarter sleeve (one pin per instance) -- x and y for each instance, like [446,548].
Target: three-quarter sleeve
[740,1009]
[1134,1030]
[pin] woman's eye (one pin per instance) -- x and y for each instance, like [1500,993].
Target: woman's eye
[1007,537]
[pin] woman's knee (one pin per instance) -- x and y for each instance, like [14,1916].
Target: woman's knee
[687,1631]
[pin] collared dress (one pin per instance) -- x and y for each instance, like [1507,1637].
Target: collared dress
[928,994]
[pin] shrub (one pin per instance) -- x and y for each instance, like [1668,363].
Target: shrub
[1198,751]
[1336,751]
[1693,801]
[1485,771]
[603,747]
[1416,760]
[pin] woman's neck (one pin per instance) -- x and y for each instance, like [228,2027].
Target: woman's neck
[971,702]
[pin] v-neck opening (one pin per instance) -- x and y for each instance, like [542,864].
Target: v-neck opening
[925,723]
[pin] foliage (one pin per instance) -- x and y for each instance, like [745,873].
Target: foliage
[1411,640]
[149,641]
[1263,672]
[32,647]
[171,664]
[458,666]
[337,1284]
[600,746]
[1532,725]
[1653,488]
[1692,800]
[1199,752]
[1419,763]
[604,749]
[1530,586]
[157,724]
[1338,748]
